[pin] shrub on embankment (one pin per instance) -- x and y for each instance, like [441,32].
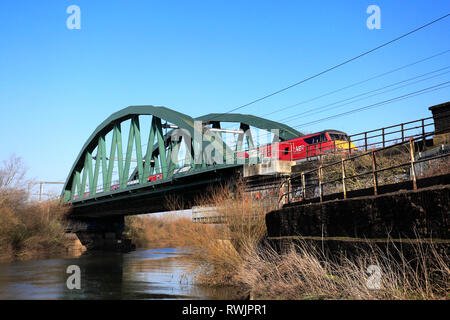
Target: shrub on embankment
[163,232]
[238,255]
[27,229]
[214,248]
[304,272]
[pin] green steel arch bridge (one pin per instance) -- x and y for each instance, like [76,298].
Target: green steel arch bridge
[142,155]
[166,153]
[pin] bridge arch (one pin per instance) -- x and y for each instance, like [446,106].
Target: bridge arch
[84,173]
[161,159]
[245,121]
[285,132]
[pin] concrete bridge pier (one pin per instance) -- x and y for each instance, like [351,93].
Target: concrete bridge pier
[104,233]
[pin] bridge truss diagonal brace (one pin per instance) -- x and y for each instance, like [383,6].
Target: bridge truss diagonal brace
[160,149]
[115,145]
[134,137]
[155,152]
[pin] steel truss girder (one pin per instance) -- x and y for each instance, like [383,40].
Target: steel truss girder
[76,182]
[85,171]
[285,132]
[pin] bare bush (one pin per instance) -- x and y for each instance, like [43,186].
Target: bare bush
[27,229]
[12,180]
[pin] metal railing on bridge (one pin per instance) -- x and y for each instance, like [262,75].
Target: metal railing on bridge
[363,141]
[364,171]
[356,143]
[41,192]
[206,215]
[385,136]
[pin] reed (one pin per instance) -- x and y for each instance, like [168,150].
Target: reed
[304,272]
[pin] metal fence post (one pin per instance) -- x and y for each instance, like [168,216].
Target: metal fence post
[41,187]
[349,147]
[320,183]
[382,133]
[288,200]
[423,133]
[413,171]
[344,189]
[303,185]
[374,174]
[403,133]
[365,141]
[320,151]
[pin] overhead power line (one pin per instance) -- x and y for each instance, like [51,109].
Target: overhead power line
[364,95]
[357,83]
[402,97]
[341,64]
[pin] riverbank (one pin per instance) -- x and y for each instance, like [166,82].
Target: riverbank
[303,271]
[239,254]
[34,230]
[28,229]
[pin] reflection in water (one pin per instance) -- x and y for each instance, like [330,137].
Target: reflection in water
[142,274]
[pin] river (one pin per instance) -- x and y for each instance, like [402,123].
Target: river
[141,274]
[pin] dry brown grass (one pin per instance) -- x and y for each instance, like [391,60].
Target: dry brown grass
[237,254]
[163,232]
[215,258]
[437,168]
[363,164]
[27,228]
[305,273]
[243,217]
[215,248]
[219,255]
[32,229]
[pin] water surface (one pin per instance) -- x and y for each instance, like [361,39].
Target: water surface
[141,274]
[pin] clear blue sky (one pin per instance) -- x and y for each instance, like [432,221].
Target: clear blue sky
[57,85]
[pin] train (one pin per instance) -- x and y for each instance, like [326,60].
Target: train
[305,147]
[154,177]
[298,149]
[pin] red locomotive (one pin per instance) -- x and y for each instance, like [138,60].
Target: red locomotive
[306,147]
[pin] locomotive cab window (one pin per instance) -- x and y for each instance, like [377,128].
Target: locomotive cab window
[336,136]
[316,139]
[309,140]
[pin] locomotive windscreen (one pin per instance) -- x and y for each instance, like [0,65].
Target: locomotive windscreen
[338,136]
